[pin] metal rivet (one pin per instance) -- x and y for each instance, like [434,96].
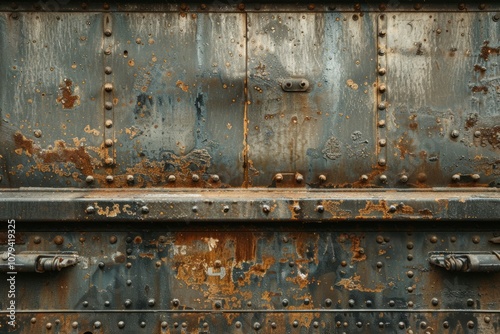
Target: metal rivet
[364,178]
[97,324]
[256,326]
[410,274]
[409,257]
[225,209]
[382,71]
[215,178]
[380,325]
[476,177]
[368,303]
[454,134]
[218,304]
[108,87]
[89,179]
[105,6]
[113,239]
[433,239]
[403,179]
[129,251]
[380,264]
[37,240]
[58,240]
[307,301]
[496,18]
[107,303]
[409,245]
[409,289]
[175,302]
[379,239]
[461,6]
[359,324]
[195,178]
[410,304]
[145,209]
[74,324]
[417,6]
[142,324]
[107,52]
[109,178]
[171,178]
[297,208]
[241,6]
[37,133]
[476,239]
[470,324]
[266,208]
[435,301]
[382,33]
[85,303]
[343,263]
[382,142]
[284,302]
[299,178]
[351,302]
[176,324]
[205,325]
[108,69]
[129,282]
[108,105]
[107,32]
[383,178]
[108,142]
[48,325]
[164,324]
[108,161]
[295,323]
[423,325]
[401,325]
[33,320]
[101,265]
[315,324]
[446,324]
[455,178]
[127,303]
[470,302]
[130,178]
[381,52]
[392,209]
[392,303]
[151,302]
[320,208]
[381,123]
[194,209]
[311,6]
[338,324]
[278,177]
[328,302]
[109,123]
[487,320]
[322,178]
[158,264]
[121,324]
[381,106]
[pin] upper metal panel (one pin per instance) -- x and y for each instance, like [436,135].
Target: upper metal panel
[329,128]
[443,99]
[178,102]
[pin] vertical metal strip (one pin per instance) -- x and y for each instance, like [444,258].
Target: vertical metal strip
[108,89]
[382,99]
[246,180]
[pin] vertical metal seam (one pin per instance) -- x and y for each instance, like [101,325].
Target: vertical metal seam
[108,90]
[245,111]
[382,102]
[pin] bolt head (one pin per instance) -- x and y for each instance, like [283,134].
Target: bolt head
[171,178]
[107,32]
[476,177]
[454,134]
[74,324]
[90,209]
[215,178]
[383,178]
[145,209]
[299,177]
[320,208]
[266,209]
[108,87]
[322,178]
[381,123]
[456,177]
[278,177]
[364,178]
[130,178]
[195,177]
[151,302]
[109,123]
[108,142]
[403,178]
[382,142]
[89,179]
[382,71]
[109,178]
[256,326]
[97,324]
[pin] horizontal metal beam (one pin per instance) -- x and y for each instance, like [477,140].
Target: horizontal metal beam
[252,204]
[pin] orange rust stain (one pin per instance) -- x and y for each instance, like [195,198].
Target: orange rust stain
[487,51]
[147,255]
[66,98]
[333,207]
[182,85]
[357,254]
[138,240]
[478,89]
[371,207]
[406,146]
[60,153]
[354,283]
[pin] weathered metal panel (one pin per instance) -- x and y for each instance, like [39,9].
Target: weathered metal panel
[327,130]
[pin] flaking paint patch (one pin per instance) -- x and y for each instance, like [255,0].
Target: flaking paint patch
[107,211]
[354,283]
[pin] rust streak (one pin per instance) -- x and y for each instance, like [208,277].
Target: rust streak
[66,98]
[354,283]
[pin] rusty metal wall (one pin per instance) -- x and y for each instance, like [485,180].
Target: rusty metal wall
[256,167]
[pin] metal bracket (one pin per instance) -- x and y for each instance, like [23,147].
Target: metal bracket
[467,261]
[37,261]
[295,85]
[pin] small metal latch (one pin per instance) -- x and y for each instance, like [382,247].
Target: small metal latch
[37,261]
[467,261]
[295,85]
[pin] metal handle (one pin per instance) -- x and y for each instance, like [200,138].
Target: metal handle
[467,261]
[37,261]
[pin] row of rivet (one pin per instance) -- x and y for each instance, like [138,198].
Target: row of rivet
[274,325]
[241,6]
[422,177]
[382,91]
[131,179]
[108,96]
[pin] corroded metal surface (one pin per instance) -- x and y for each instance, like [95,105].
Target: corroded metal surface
[294,279]
[228,167]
